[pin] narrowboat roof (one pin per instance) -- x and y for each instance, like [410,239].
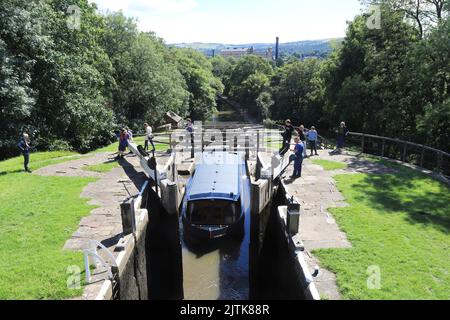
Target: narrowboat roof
[216,177]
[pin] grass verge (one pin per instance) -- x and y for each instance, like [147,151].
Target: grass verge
[398,224]
[329,165]
[102,167]
[37,215]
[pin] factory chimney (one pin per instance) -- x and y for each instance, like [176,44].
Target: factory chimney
[277,49]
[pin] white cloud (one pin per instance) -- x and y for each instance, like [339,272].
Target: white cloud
[243,22]
[148,6]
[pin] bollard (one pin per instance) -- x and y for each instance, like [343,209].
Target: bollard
[247,147]
[128,217]
[293,217]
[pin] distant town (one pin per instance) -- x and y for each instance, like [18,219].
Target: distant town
[271,51]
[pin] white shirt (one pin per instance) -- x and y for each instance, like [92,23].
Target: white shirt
[149,134]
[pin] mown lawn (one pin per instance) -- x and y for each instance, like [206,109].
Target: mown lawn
[329,165]
[37,216]
[398,223]
[102,167]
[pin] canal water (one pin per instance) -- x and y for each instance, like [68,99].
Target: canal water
[225,270]
[219,270]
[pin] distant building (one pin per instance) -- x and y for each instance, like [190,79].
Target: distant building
[236,52]
[266,54]
[241,52]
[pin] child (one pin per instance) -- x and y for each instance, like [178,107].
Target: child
[298,150]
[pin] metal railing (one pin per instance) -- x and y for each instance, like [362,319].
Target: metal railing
[423,156]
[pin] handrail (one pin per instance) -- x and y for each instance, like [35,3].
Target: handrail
[399,141]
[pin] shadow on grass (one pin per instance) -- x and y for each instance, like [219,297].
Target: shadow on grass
[410,192]
[3,173]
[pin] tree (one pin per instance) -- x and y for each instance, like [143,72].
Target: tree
[298,92]
[201,83]
[17,97]
[264,102]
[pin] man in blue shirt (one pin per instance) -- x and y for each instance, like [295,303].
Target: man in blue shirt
[298,150]
[312,140]
[24,146]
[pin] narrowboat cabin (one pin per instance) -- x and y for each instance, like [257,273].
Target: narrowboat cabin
[217,197]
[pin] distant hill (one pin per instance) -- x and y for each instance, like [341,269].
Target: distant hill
[308,47]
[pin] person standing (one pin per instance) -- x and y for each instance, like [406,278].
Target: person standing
[24,146]
[312,140]
[342,133]
[130,134]
[298,162]
[287,135]
[302,134]
[190,132]
[148,137]
[123,143]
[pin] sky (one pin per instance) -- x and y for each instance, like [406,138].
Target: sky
[238,21]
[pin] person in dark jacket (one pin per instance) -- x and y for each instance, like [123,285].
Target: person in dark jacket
[342,133]
[24,146]
[302,132]
[298,162]
[287,135]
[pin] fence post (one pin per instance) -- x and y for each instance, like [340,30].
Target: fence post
[247,147]
[422,156]
[383,148]
[404,152]
[363,141]
[257,141]
[439,157]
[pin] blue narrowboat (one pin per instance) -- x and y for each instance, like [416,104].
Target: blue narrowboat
[217,197]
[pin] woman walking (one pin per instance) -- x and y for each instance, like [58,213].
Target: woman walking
[342,132]
[123,143]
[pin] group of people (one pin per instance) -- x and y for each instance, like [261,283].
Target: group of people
[126,135]
[305,137]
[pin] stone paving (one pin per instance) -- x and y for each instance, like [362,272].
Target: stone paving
[316,191]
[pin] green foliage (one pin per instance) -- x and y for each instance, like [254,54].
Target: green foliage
[249,83]
[298,92]
[148,85]
[201,83]
[74,88]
